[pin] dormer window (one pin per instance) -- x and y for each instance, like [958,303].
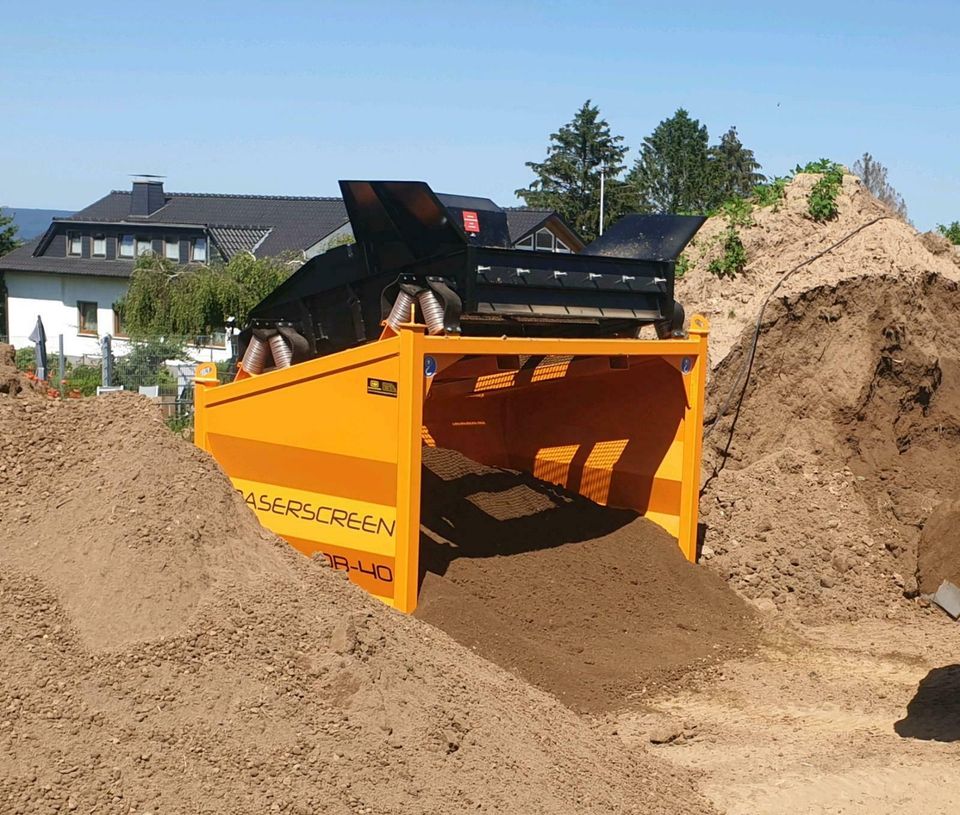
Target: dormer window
[74,244]
[544,240]
[526,243]
[144,247]
[126,246]
[99,246]
[198,253]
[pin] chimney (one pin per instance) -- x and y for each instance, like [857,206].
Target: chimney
[147,196]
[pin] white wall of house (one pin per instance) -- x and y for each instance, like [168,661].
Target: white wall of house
[54,297]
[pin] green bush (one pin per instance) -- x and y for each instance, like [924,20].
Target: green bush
[771,193]
[822,202]
[144,364]
[733,257]
[84,378]
[682,267]
[738,212]
[951,232]
[25,359]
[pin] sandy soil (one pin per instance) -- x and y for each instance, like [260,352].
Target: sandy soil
[594,605]
[853,719]
[161,653]
[783,236]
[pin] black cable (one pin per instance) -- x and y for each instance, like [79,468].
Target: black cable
[747,367]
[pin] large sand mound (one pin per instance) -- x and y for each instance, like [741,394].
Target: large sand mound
[848,437]
[783,236]
[160,653]
[595,605]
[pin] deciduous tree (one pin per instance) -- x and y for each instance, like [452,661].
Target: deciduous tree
[166,300]
[8,234]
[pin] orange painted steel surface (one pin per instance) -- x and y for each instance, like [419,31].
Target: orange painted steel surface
[327,452]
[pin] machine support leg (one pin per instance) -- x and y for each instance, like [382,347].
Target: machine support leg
[410,393]
[694,384]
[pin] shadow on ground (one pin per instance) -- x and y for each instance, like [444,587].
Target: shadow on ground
[494,513]
[934,712]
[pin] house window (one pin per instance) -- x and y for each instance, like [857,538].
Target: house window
[544,240]
[99,246]
[171,249]
[526,243]
[562,247]
[118,329]
[144,247]
[198,253]
[74,244]
[87,318]
[126,246]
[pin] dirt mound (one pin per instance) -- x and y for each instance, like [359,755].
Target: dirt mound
[938,556]
[234,675]
[847,438]
[121,518]
[783,236]
[12,381]
[594,605]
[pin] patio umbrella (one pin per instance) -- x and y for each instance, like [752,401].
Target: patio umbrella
[39,340]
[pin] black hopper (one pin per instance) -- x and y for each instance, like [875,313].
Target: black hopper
[451,257]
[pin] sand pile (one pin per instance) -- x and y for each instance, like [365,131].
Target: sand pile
[938,555]
[180,662]
[594,605]
[848,437]
[12,381]
[120,517]
[785,235]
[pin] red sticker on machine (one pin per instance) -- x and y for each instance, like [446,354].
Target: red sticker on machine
[471,223]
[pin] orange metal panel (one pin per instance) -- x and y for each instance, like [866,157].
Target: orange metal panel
[327,452]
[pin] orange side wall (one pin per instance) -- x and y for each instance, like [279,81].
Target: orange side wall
[611,434]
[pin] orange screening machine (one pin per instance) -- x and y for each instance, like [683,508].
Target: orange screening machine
[433,330]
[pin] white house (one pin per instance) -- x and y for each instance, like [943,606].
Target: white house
[74,274]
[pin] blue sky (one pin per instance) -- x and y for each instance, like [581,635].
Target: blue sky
[287,97]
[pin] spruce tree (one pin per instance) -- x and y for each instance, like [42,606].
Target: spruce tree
[568,179]
[874,177]
[735,169]
[673,172]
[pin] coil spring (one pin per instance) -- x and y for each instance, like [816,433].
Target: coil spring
[432,311]
[255,356]
[400,312]
[282,355]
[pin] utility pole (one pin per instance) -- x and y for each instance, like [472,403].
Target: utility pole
[603,170]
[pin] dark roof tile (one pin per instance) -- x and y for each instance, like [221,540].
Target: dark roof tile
[231,240]
[22,260]
[295,223]
[523,220]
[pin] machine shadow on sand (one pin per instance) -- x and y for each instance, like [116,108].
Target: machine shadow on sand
[491,513]
[934,712]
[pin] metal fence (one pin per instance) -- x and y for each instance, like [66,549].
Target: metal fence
[160,368]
